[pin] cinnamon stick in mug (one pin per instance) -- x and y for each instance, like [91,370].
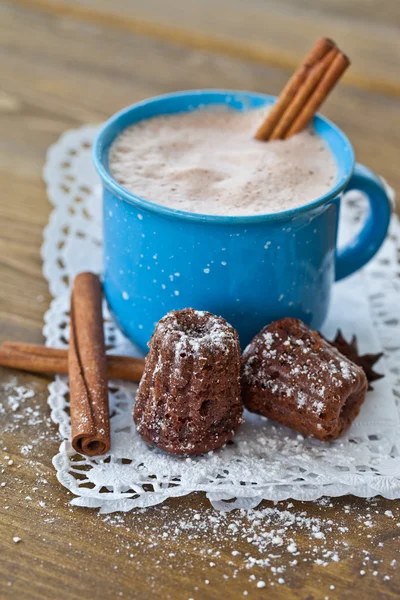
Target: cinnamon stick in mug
[87,367]
[328,81]
[319,50]
[303,94]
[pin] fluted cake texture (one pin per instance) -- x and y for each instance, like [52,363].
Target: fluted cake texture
[189,398]
[294,376]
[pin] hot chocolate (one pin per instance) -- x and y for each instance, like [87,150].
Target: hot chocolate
[208,162]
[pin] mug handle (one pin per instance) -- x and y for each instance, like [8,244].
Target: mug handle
[367,242]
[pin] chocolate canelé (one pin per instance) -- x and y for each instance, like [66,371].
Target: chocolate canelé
[189,398]
[294,376]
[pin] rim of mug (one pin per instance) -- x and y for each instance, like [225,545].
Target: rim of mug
[122,193]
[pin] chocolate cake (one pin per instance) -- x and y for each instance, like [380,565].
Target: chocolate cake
[294,376]
[189,398]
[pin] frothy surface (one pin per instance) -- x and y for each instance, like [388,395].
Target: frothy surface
[208,162]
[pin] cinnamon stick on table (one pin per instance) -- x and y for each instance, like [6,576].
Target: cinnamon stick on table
[41,359]
[87,366]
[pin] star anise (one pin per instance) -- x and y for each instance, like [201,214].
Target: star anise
[365,361]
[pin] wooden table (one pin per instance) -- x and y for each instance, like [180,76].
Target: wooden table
[67,62]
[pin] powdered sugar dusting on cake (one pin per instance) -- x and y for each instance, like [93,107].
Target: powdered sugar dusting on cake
[301,399]
[189,396]
[346,370]
[318,406]
[304,367]
[208,331]
[268,338]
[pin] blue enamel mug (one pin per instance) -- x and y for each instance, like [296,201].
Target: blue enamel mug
[249,269]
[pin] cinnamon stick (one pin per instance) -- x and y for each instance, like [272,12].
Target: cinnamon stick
[87,366]
[41,359]
[28,357]
[315,75]
[320,49]
[328,81]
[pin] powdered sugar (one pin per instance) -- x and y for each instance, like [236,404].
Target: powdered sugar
[189,396]
[268,339]
[18,396]
[318,406]
[301,399]
[212,333]
[346,370]
[247,550]
[268,546]
[300,362]
[21,408]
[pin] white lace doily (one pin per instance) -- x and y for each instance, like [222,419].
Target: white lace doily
[266,461]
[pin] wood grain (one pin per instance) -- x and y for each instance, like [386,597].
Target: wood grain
[269,31]
[58,72]
[49,65]
[73,553]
